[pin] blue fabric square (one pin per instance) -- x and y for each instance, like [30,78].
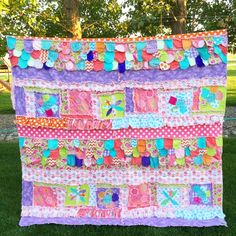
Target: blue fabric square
[201,142]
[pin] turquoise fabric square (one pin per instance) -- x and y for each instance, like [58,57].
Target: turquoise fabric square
[25,55]
[21,142]
[140,46]
[81,65]
[100,161]
[187,152]
[46,44]
[163,152]
[198,160]
[92,46]
[154,162]
[22,63]
[169,43]
[217,49]
[139,54]
[109,57]
[46,153]
[110,46]
[109,144]
[52,55]
[113,153]
[108,66]
[205,93]
[11,42]
[52,144]
[203,52]
[76,46]
[71,160]
[154,62]
[223,57]
[184,64]
[201,142]
[160,143]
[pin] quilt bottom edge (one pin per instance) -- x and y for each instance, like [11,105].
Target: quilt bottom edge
[152,221]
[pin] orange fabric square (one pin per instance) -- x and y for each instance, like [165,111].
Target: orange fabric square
[136,161]
[100,47]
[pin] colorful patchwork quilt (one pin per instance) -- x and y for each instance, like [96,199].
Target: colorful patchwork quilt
[121,131]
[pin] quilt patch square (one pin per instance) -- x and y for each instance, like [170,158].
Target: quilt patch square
[201,194]
[139,196]
[44,196]
[77,195]
[108,198]
[145,100]
[212,98]
[176,103]
[47,105]
[112,105]
[80,102]
[169,196]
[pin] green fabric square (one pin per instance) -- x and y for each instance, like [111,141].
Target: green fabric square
[77,195]
[212,99]
[112,105]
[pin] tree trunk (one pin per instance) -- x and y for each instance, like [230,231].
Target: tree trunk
[72,17]
[178,20]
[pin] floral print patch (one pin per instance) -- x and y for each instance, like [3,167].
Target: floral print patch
[44,196]
[80,102]
[139,196]
[145,100]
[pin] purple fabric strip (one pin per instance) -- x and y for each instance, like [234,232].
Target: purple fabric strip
[129,100]
[27,193]
[19,95]
[157,222]
[114,76]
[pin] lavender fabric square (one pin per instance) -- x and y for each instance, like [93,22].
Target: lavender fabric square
[27,193]
[129,100]
[19,94]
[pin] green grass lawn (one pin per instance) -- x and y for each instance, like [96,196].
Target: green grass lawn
[10,192]
[231,83]
[5,103]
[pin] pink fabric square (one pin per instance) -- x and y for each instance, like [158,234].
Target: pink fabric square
[139,196]
[44,196]
[145,100]
[49,113]
[80,103]
[173,100]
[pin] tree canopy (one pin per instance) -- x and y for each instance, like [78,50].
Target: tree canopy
[115,18]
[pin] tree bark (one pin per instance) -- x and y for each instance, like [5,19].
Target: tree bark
[72,17]
[178,20]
